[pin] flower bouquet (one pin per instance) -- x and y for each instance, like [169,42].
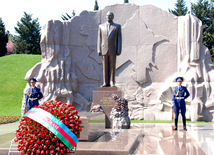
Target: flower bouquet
[51,128]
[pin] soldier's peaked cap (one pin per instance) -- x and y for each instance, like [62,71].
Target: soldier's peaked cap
[179,79]
[33,80]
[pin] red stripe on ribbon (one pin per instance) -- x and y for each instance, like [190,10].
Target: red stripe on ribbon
[73,143]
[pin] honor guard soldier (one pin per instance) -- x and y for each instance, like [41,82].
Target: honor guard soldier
[33,95]
[180,93]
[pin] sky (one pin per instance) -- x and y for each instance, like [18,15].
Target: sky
[13,10]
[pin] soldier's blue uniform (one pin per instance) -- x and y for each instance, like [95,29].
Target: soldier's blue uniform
[179,100]
[33,95]
[178,97]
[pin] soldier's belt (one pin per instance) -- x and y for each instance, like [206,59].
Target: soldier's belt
[33,99]
[179,98]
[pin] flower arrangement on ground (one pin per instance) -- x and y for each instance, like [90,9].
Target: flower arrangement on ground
[51,128]
[119,113]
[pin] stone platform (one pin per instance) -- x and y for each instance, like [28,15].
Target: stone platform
[111,142]
[157,139]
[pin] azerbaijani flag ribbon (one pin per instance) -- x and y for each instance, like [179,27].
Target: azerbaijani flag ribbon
[54,125]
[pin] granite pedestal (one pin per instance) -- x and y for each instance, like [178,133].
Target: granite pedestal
[103,97]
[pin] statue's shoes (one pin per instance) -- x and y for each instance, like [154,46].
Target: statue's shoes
[104,85]
[112,84]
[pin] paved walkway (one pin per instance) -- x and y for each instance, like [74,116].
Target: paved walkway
[158,138]
[161,139]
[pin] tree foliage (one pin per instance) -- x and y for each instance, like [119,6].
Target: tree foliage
[180,8]
[204,10]
[73,13]
[126,1]
[67,16]
[96,7]
[3,39]
[28,40]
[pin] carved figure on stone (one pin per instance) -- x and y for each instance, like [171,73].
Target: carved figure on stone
[109,45]
[119,113]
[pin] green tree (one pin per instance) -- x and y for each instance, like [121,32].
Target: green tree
[67,17]
[28,40]
[180,8]
[3,39]
[126,1]
[73,13]
[96,7]
[204,10]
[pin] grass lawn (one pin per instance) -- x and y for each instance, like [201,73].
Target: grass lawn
[12,72]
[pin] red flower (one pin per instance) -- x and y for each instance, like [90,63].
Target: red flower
[42,141]
[42,152]
[66,123]
[35,146]
[40,147]
[51,134]
[47,142]
[62,145]
[62,152]
[38,152]
[52,152]
[53,139]
[51,147]
[47,137]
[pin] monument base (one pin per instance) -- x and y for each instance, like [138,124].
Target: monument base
[103,97]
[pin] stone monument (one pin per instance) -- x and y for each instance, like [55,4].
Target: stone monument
[109,44]
[157,47]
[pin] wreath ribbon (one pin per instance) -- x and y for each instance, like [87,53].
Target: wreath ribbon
[54,125]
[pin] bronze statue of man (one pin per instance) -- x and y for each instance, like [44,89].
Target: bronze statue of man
[109,45]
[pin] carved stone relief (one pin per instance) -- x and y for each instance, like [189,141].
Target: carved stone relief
[157,47]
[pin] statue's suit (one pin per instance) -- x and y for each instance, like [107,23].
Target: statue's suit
[109,45]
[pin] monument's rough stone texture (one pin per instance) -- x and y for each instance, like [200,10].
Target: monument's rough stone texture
[157,47]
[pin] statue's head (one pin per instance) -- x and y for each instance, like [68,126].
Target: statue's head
[109,16]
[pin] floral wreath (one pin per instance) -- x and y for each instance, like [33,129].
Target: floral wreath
[51,128]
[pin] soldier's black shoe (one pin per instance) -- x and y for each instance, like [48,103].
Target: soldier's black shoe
[176,124]
[175,128]
[184,124]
